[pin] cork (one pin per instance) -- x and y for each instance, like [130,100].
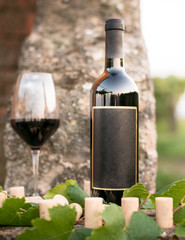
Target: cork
[44,207]
[86,187]
[2,198]
[129,205]
[93,208]
[17,192]
[164,211]
[78,209]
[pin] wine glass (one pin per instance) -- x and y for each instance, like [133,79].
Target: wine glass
[35,113]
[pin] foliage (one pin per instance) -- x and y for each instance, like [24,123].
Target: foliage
[179,215]
[146,228]
[180,229]
[76,194]
[140,227]
[175,190]
[171,152]
[59,227]
[62,223]
[171,131]
[167,92]
[171,144]
[71,190]
[113,229]
[16,212]
[60,189]
[138,190]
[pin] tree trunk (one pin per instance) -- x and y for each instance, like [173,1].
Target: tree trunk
[68,41]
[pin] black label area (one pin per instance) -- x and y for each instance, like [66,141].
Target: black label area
[114,147]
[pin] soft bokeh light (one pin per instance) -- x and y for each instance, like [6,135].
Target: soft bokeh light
[162,23]
[163,30]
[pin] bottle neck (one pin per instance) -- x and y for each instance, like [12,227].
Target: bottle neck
[114,53]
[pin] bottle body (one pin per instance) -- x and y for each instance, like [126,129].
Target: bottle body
[114,132]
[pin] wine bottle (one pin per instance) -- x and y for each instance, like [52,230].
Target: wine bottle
[114,122]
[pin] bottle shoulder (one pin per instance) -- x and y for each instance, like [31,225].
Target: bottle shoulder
[114,80]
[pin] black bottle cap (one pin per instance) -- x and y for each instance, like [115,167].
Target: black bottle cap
[114,24]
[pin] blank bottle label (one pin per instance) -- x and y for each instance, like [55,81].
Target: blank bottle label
[114,147]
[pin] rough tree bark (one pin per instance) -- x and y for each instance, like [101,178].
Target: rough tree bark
[68,41]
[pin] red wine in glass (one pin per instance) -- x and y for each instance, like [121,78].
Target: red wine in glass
[35,113]
[35,132]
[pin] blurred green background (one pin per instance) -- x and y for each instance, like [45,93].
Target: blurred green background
[170,119]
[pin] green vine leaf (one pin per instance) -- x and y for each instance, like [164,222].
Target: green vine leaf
[113,229]
[113,216]
[61,189]
[15,212]
[143,227]
[180,229]
[77,194]
[59,227]
[176,191]
[80,234]
[147,205]
[71,190]
[179,215]
[138,190]
[165,188]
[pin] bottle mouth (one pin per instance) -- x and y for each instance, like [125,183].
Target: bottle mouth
[114,24]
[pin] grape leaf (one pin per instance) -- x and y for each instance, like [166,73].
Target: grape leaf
[76,194]
[179,215]
[16,212]
[80,234]
[109,233]
[60,189]
[113,229]
[148,204]
[113,216]
[165,188]
[180,229]
[138,190]
[176,191]
[27,217]
[143,227]
[59,227]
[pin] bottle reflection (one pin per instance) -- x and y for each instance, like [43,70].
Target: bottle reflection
[109,99]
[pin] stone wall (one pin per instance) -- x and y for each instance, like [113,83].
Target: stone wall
[16,22]
[68,41]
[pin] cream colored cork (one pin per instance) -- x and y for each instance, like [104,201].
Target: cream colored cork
[93,208]
[129,205]
[164,211]
[2,198]
[44,205]
[17,192]
[78,209]
[87,187]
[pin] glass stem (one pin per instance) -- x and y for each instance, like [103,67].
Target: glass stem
[35,160]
